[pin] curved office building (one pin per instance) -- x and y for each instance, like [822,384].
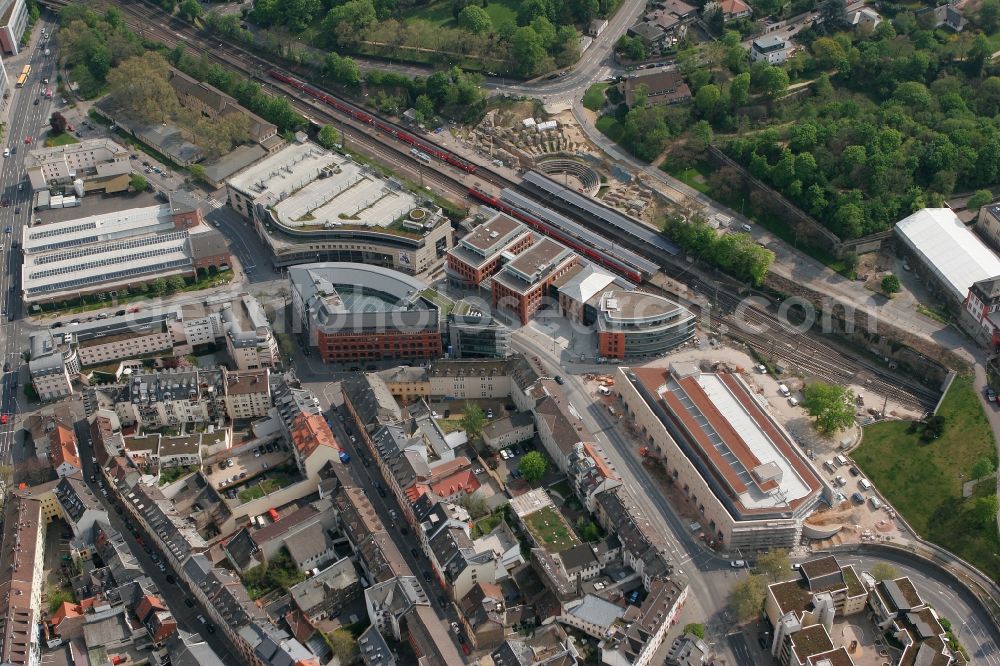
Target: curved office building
[356,313]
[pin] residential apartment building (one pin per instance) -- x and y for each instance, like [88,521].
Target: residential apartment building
[514,429]
[249,339]
[323,595]
[21,579]
[248,394]
[13,22]
[769,48]
[802,610]
[899,610]
[97,163]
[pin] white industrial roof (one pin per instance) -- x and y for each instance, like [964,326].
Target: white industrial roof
[948,248]
[587,283]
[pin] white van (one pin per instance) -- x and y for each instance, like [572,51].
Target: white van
[604,390]
[783,390]
[875,502]
[841,461]
[865,484]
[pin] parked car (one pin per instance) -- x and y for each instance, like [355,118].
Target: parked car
[991,395]
[854,471]
[560,380]
[188,603]
[738,564]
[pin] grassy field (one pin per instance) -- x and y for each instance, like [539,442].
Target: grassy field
[691,176]
[594,98]
[64,139]
[439,13]
[610,127]
[551,530]
[923,481]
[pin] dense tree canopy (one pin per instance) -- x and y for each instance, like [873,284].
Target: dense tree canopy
[907,117]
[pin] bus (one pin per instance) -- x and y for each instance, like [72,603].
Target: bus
[24,76]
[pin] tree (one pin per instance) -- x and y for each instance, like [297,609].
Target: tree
[774,564]
[883,571]
[989,15]
[138,182]
[343,644]
[57,122]
[696,629]
[175,284]
[984,511]
[473,420]
[328,137]
[747,598]
[833,13]
[773,81]
[140,87]
[982,468]
[343,70]
[527,50]
[830,405]
[190,10]
[533,466]
[475,19]
[424,106]
[979,199]
[890,284]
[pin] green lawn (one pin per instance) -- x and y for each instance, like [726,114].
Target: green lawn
[551,530]
[923,482]
[610,127]
[439,13]
[594,98]
[64,139]
[691,176]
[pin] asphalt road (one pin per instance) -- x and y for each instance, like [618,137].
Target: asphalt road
[709,575]
[970,623]
[25,119]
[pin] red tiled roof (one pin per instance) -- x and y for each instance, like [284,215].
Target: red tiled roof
[309,432]
[62,447]
[733,7]
[458,481]
[65,610]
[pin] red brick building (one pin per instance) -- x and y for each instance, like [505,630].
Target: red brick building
[522,285]
[356,313]
[479,254]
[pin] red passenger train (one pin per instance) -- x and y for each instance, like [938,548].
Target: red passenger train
[365,117]
[597,256]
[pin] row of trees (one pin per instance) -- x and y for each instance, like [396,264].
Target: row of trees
[735,253]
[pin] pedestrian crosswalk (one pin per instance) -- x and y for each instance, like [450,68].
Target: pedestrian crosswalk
[215,203]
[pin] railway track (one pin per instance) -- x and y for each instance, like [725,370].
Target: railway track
[773,337]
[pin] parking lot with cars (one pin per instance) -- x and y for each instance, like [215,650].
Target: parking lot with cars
[237,469]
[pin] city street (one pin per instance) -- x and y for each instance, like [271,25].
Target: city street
[24,119]
[365,476]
